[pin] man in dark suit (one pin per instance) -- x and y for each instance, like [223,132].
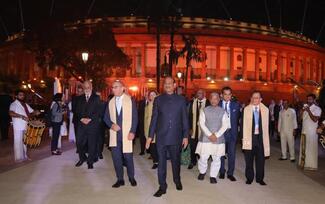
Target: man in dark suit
[233,111]
[198,104]
[170,124]
[140,129]
[5,101]
[74,104]
[88,113]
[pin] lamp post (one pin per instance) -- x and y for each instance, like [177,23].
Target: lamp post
[179,76]
[84,57]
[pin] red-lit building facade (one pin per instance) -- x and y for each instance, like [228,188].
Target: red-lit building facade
[243,56]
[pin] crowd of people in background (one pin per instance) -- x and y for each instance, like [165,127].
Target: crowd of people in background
[168,125]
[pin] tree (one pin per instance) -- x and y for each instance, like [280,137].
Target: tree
[190,52]
[57,44]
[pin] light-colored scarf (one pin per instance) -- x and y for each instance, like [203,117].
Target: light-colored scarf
[147,119]
[194,110]
[247,128]
[127,122]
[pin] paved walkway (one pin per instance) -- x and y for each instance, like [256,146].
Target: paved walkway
[54,179]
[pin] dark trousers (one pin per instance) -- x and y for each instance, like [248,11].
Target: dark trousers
[142,142]
[87,142]
[154,153]
[101,140]
[193,144]
[175,156]
[272,128]
[56,127]
[120,158]
[257,154]
[4,126]
[231,154]
[75,126]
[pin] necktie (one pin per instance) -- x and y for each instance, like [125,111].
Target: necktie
[87,97]
[226,108]
[256,120]
[199,106]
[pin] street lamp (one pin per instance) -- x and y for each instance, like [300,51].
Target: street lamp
[84,57]
[179,76]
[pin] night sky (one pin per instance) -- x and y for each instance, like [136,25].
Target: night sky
[292,11]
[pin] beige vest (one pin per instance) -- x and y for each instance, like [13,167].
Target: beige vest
[247,128]
[127,120]
[147,119]
[194,110]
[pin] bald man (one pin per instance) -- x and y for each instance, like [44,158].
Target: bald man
[122,118]
[88,113]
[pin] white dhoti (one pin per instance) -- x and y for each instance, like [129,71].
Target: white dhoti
[205,150]
[20,149]
[287,138]
[311,151]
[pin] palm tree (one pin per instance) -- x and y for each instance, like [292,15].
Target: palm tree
[191,52]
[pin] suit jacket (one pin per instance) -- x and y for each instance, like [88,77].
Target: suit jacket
[91,109]
[207,103]
[169,120]
[234,117]
[141,108]
[5,101]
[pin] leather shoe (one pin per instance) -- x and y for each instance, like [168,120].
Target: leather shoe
[282,159]
[190,166]
[248,182]
[213,180]
[159,193]
[293,160]
[118,184]
[231,178]
[179,186]
[221,176]
[79,163]
[262,183]
[201,177]
[90,166]
[101,156]
[133,182]
[155,166]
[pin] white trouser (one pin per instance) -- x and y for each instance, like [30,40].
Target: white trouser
[215,165]
[287,138]
[20,149]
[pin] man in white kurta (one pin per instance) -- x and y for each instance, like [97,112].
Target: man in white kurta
[213,122]
[310,115]
[286,126]
[20,111]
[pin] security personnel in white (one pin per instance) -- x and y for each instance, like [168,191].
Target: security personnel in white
[286,126]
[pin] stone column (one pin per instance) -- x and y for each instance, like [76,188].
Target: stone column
[257,64]
[244,74]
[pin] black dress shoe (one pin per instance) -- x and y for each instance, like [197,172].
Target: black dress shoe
[90,166]
[248,182]
[293,160]
[141,153]
[190,166]
[179,186]
[262,183]
[101,156]
[79,163]
[213,180]
[133,182]
[159,193]
[201,177]
[221,176]
[118,184]
[155,166]
[282,159]
[231,178]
